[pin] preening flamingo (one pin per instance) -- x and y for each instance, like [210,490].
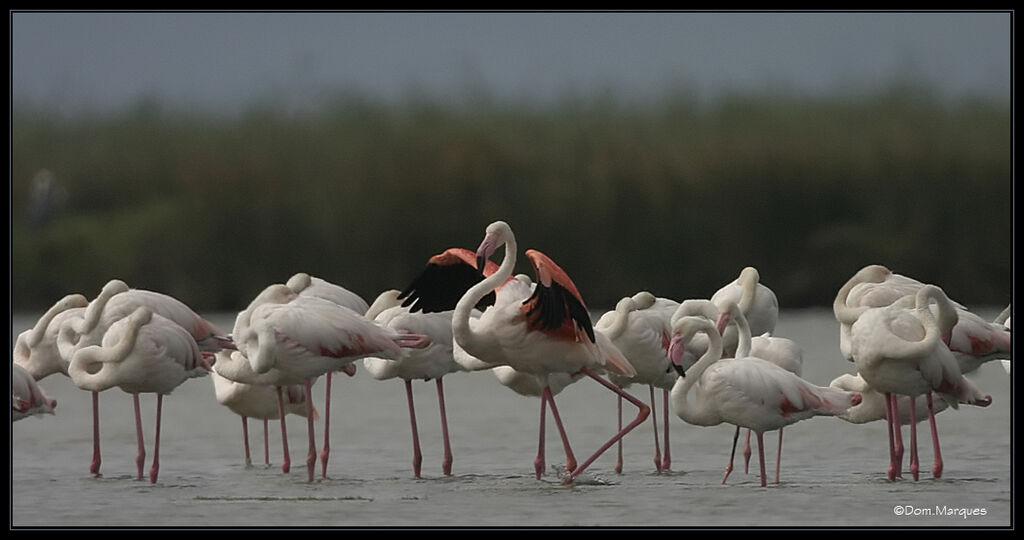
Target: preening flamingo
[141,353]
[900,350]
[747,392]
[426,307]
[304,284]
[257,401]
[551,332]
[27,398]
[757,302]
[289,339]
[639,327]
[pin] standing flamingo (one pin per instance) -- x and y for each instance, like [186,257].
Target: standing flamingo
[900,351]
[550,332]
[304,284]
[141,353]
[780,351]
[256,401]
[426,307]
[289,339]
[27,398]
[639,327]
[747,392]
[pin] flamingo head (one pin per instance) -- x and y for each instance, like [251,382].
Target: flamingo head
[495,235]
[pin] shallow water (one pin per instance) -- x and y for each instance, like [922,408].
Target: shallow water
[833,473]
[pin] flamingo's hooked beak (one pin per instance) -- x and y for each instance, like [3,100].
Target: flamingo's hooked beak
[487,248]
[675,355]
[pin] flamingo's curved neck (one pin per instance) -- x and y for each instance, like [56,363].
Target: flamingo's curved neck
[743,330]
[620,321]
[698,412]
[748,284]
[461,330]
[846,314]
[39,330]
[85,357]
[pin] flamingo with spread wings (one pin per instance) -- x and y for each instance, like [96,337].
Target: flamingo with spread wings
[550,332]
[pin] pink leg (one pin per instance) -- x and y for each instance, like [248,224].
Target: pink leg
[654,423]
[728,468]
[153,470]
[914,464]
[641,416]
[937,468]
[618,461]
[760,454]
[538,463]
[311,455]
[746,455]
[666,464]
[778,458]
[286,462]
[140,458]
[266,444]
[446,464]
[94,467]
[897,429]
[417,457]
[570,459]
[326,452]
[245,440]
[892,444]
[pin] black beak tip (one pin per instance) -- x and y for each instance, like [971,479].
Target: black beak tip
[679,370]
[481,262]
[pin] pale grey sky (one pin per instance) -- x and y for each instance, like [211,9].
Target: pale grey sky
[96,59]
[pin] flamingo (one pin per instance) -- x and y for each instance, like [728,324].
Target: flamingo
[114,302]
[35,349]
[304,284]
[256,401]
[759,304]
[27,398]
[141,353]
[289,339]
[873,404]
[780,351]
[639,327]
[899,350]
[550,332]
[425,307]
[747,392]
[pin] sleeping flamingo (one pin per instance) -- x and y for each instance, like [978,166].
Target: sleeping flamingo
[550,332]
[288,339]
[426,307]
[899,350]
[141,353]
[639,327]
[256,401]
[117,301]
[747,392]
[304,284]
[27,398]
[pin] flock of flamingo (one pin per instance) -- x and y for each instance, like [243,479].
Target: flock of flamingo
[910,343]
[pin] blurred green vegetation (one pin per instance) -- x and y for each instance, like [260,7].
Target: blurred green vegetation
[673,196]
